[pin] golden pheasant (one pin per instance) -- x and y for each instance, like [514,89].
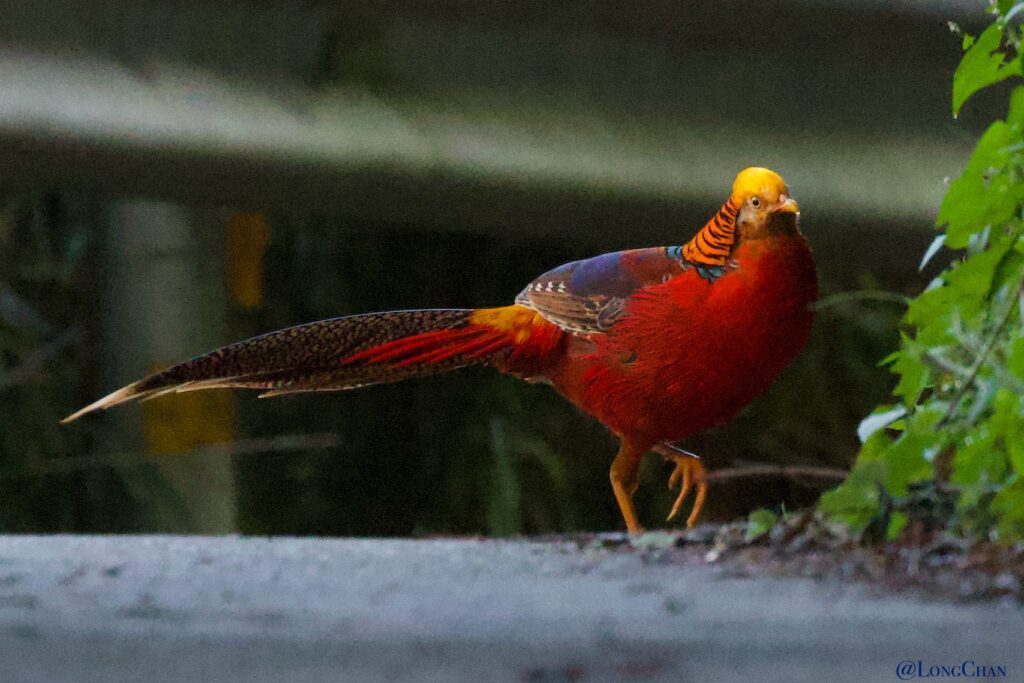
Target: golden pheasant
[657,343]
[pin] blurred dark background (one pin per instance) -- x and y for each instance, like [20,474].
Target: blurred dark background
[178,175]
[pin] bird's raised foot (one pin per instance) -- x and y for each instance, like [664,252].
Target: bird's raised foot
[688,473]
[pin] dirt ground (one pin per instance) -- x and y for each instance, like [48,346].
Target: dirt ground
[926,563]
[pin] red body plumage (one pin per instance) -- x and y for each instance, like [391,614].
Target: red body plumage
[690,354]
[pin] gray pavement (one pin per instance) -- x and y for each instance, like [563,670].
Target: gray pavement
[156,608]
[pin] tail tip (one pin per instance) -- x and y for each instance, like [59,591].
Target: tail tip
[120,396]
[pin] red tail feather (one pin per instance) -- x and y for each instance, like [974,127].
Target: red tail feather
[400,349]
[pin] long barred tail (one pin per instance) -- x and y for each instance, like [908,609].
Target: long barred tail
[345,353]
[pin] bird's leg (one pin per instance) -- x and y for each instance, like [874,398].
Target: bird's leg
[690,471]
[625,481]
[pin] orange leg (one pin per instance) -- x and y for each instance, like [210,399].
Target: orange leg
[625,481]
[690,471]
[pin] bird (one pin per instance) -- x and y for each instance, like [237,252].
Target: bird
[656,343]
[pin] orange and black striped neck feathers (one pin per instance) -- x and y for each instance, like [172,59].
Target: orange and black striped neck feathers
[760,193]
[713,244]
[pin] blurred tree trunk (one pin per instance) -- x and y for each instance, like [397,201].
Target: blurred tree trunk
[165,301]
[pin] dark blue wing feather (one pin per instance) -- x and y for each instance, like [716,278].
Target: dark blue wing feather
[590,295]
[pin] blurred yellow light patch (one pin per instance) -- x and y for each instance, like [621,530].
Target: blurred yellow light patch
[180,423]
[247,240]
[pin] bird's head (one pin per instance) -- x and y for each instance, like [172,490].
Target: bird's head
[764,203]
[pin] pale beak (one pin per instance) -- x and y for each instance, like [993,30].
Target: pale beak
[787,205]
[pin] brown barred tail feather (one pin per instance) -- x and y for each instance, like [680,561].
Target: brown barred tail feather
[341,353]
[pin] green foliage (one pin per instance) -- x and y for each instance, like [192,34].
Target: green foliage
[760,522]
[984,64]
[961,359]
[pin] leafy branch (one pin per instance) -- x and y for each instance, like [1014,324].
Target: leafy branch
[958,427]
[983,357]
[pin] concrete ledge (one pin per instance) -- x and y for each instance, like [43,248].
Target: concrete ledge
[246,609]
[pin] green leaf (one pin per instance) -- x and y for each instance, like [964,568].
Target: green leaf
[1015,116]
[1007,272]
[964,292]
[982,195]
[914,375]
[1015,361]
[971,280]
[854,505]
[897,523]
[760,522]
[978,462]
[874,452]
[982,65]
[1008,505]
[1007,7]
[855,501]
[1007,424]
[905,460]
[930,314]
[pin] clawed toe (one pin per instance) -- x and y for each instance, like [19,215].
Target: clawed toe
[688,473]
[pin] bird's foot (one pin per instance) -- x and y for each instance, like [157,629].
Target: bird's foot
[690,473]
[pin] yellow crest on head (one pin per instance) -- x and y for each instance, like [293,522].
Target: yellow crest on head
[758,181]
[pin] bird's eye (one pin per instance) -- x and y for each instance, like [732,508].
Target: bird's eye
[755,202]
